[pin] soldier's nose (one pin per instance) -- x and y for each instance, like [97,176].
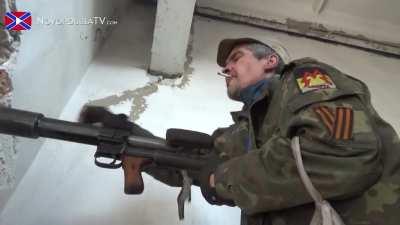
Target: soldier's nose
[226,70]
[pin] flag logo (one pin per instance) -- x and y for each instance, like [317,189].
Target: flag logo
[18,21]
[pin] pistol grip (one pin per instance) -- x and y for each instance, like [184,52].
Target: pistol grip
[133,181]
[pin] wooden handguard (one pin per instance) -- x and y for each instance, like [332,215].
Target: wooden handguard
[133,181]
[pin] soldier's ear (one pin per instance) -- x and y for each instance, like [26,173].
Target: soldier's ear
[271,62]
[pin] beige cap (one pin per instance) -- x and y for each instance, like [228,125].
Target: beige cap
[226,45]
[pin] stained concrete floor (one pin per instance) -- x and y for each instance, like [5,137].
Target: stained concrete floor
[63,186]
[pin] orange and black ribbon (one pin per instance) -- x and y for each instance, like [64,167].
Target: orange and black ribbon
[339,122]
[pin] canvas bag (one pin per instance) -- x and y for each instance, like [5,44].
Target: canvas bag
[324,214]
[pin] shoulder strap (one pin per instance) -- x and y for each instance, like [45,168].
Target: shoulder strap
[316,196]
[324,213]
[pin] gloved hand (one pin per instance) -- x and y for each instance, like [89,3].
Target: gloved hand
[209,192]
[100,115]
[132,166]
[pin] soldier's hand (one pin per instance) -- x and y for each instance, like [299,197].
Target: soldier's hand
[207,184]
[132,166]
[103,117]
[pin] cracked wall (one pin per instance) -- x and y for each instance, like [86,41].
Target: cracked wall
[52,59]
[9,42]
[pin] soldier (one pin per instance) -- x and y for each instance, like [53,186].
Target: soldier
[351,155]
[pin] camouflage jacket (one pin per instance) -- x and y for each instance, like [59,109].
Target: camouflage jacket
[351,155]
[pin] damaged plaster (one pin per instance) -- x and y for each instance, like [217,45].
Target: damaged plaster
[7,143]
[9,42]
[138,95]
[307,29]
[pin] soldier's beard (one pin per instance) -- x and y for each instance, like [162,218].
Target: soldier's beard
[233,91]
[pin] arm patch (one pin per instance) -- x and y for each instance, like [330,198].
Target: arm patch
[339,121]
[313,78]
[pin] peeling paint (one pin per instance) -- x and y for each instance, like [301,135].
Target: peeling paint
[137,96]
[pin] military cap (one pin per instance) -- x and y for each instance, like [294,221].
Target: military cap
[226,45]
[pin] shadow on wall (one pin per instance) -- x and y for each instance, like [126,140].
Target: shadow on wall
[137,27]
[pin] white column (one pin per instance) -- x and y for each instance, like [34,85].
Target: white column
[171,36]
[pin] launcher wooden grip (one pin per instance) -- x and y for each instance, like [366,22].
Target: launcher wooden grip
[133,181]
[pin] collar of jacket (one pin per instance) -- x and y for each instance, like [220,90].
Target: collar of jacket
[252,92]
[267,87]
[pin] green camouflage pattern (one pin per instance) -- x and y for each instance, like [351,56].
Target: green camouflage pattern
[360,176]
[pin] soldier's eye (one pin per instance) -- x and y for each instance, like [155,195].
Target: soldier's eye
[237,57]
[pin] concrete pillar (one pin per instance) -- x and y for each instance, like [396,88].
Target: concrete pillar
[171,36]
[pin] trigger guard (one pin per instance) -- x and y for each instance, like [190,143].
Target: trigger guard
[112,165]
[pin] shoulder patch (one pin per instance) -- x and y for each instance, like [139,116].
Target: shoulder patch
[339,121]
[343,128]
[312,78]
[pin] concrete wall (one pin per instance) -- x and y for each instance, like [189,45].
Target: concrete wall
[64,187]
[52,60]
[362,19]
